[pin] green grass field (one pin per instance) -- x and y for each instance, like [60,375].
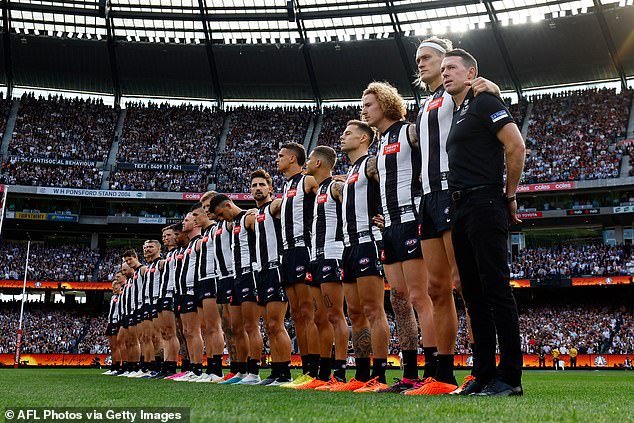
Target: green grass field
[579,396]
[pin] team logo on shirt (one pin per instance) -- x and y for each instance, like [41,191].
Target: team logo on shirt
[236,230]
[219,231]
[392,148]
[261,217]
[353,178]
[291,193]
[188,251]
[180,256]
[299,269]
[326,269]
[114,300]
[153,270]
[206,238]
[435,104]
[364,260]
[446,211]
[322,198]
[245,290]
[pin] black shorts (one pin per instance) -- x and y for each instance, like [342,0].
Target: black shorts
[187,304]
[269,286]
[401,242]
[225,290]
[295,265]
[434,214]
[362,260]
[165,304]
[154,311]
[206,289]
[131,320]
[138,316]
[325,270]
[244,289]
[147,311]
[112,329]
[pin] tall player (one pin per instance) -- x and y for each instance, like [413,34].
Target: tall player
[270,294]
[224,283]
[363,273]
[245,311]
[112,330]
[432,128]
[151,341]
[296,217]
[188,303]
[398,165]
[207,309]
[166,320]
[326,271]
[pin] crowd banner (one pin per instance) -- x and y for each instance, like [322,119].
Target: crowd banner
[531,361]
[58,162]
[552,186]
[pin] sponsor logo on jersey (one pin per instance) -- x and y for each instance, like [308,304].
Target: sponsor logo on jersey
[206,238]
[382,254]
[309,276]
[322,198]
[219,231]
[499,115]
[188,251]
[180,256]
[236,229]
[153,270]
[411,241]
[364,260]
[435,104]
[291,193]
[353,178]
[261,217]
[392,148]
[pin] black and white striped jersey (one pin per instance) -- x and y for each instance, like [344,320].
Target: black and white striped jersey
[125,298]
[189,271]
[398,164]
[137,288]
[296,213]
[432,127]
[243,246]
[361,199]
[113,313]
[168,280]
[327,230]
[207,267]
[224,255]
[151,282]
[268,238]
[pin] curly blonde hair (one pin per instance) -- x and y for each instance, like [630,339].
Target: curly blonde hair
[390,101]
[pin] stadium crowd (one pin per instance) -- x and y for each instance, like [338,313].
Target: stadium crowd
[57,127]
[253,140]
[572,261]
[16,173]
[48,262]
[572,135]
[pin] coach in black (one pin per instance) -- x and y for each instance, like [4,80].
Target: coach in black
[483,139]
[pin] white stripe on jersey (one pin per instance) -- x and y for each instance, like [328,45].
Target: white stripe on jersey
[432,126]
[295,213]
[398,165]
[268,239]
[224,256]
[243,246]
[207,265]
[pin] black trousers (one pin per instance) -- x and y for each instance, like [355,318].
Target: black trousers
[480,235]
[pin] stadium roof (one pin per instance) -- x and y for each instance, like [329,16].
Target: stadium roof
[303,49]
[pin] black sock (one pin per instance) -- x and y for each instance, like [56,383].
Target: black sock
[113,366]
[233,367]
[313,365]
[208,370]
[216,364]
[158,363]
[363,369]
[143,364]
[431,362]
[125,366]
[185,366]
[138,365]
[445,369]
[378,369]
[285,370]
[275,370]
[340,370]
[197,368]
[410,364]
[305,362]
[253,366]
[324,368]
[241,367]
[169,367]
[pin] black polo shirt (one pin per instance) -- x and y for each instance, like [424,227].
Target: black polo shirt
[476,156]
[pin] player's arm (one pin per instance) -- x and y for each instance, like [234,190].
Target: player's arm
[370,169]
[276,208]
[481,85]
[515,152]
[412,136]
[249,220]
[197,245]
[310,185]
[161,264]
[336,189]
[143,270]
